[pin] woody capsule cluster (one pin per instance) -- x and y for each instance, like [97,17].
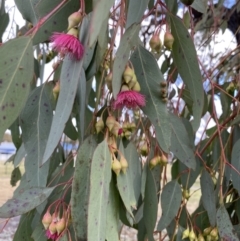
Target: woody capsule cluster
[68,43]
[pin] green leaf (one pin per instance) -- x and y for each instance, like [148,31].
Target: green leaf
[80,187]
[185,58]
[149,77]
[170,202]
[36,119]
[100,178]
[16,72]
[19,156]
[200,6]
[208,196]
[15,132]
[23,202]
[136,10]
[70,130]
[39,233]
[225,228]
[235,161]
[180,143]
[172,5]
[57,22]
[112,214]
[3,24]
[150,209]
[24,230]
[128,41]
[70,77]
[129,184]
[15,176]
[100,13]
[27,9]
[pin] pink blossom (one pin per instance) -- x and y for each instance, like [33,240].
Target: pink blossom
[67,43]
[53,236]
[130,99]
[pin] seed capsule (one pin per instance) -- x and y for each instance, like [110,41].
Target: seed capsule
[110,122]
[155,43]
[99,125]
[116,166]
[168,40]
[153,162]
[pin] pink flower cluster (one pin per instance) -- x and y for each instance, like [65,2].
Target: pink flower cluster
[129,99]
[67,43]
[53,236]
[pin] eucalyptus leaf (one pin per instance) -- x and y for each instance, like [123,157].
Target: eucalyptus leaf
[149,78]
[235,161]
[185,58]
[170,202]
[100,177]
[16,72]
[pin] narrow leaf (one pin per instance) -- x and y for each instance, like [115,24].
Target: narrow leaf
[170,202]
[16,72]
[149,77]
[69,79]
[36,119]
[136,10]
[100,177]
[208,197]
[128,41]
[225,228]
[24,201]
[100,13]
[129,184]
[185,58]
[235,161]
[180,143]
[150,209]
[112,214]
[80,187]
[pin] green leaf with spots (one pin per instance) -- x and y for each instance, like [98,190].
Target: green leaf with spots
[23,202]
[180,143]
[128,41]
[129,184]
[36,120]
[149,77]
[186,61]
[24,230]
[16,73]
[150,209]
[170,202]
[208,196]
[99,15]
[235,161]
[69,79]
[100,177]
[225,227]
[80,187]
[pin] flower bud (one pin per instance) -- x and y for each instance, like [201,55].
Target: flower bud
[200,237]
[185,233]
[132,82]
[128,74]
[73,32]
[127,134]
[124,164]
[132,126]
[115,129]
[116,166]
[110,122]
[209,237]
[155,43]
[126,126]
[74,19]
[46,220]
[56,90]
[108,80]
[153,162]
[185,194]
[60,225]
[99,125]
[52,228]
[214,233]
[168,40]
[207,231]
[163,160]
[192,236]
[136,87]
[144,149]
